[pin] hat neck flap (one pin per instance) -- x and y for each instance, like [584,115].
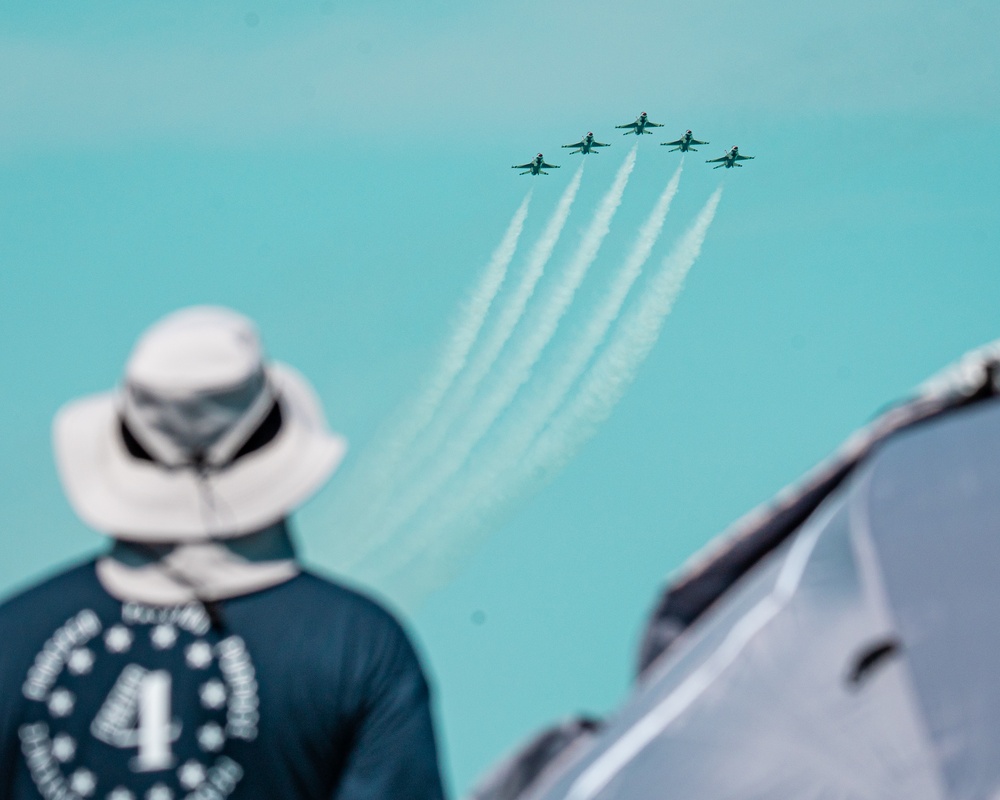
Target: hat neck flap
[174,574]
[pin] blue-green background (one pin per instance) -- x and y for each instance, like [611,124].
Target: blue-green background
[339,171]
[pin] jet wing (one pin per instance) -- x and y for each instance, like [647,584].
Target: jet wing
[714,160]
[549,166]
[578,144]
[679,142]
[529,165]
[695,141]
[630,125]
[599,144]
[744,158]
[653,124]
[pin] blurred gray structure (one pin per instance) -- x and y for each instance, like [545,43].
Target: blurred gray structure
[840,642]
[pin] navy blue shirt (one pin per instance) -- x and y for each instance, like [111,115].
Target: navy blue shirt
[304,691]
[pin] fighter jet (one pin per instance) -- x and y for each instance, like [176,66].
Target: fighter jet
[536,166]
[586,145]
[639,126]
[730,159]
[684,143]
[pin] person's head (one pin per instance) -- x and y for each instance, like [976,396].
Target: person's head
[204,438]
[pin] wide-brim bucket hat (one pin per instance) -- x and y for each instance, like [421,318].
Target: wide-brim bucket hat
[203,439]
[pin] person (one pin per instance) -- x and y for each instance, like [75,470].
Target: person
[197,658]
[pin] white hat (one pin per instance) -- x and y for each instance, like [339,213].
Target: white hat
[203,439]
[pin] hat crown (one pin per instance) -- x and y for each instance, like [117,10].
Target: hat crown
[196,387]
[194,351]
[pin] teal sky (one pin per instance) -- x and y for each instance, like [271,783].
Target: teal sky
[340,171]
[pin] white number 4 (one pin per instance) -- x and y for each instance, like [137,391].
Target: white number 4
[136,713]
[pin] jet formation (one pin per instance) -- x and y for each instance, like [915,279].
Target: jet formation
[587,145]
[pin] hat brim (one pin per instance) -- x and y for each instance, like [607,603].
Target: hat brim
[131,498]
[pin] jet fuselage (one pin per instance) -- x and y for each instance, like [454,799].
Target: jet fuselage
[536,166]
[639,126]
[587,144]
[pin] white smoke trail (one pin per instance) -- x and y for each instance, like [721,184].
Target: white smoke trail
[465,334]
[456,450]
[602,388]
[508,317]
[366,482]
[537,410]
[479,363]
[615,369]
